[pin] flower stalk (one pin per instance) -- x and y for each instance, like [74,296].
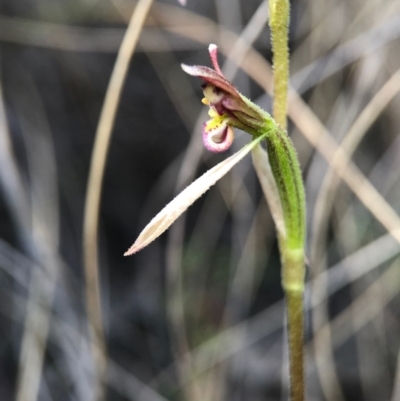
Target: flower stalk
[279,11]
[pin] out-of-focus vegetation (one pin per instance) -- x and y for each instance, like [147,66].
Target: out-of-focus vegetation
[198,314]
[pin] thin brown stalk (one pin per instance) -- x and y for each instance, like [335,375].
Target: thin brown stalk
[294,302]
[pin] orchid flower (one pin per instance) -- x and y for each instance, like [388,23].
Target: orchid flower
[230,109]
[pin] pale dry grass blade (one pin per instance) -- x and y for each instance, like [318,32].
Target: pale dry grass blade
[343,55]
[119,379]
[72,344]
[11,182]
[59,36]
[318,136]
[129,386]
[45,238]
[247,37]
[349,144]
[69,38]
[35,333]
[229,14]
[323,350]
[340,275]
[323,347]
[246,279]
[42,244]
[83,39]
[373,344]
[353,267]
[357,315]
[396,387]
[387,166]
[323,205]
[92,204]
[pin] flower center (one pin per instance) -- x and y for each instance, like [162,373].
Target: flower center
[212,95]
[216,127]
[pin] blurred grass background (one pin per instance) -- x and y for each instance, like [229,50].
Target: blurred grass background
[198,314]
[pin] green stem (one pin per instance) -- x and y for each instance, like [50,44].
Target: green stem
[279,11]
[287,174]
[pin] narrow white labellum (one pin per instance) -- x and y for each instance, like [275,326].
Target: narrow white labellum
[178,205]
[268,185]
[218,139]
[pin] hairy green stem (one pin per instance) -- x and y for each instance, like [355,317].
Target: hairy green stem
[286,171]
[279,11]
[287,174]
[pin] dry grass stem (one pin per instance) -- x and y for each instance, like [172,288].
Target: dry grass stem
[96,173]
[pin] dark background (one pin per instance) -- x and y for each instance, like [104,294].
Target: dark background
[56,61]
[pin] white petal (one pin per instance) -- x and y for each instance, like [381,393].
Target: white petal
[178,205]
[268,185]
